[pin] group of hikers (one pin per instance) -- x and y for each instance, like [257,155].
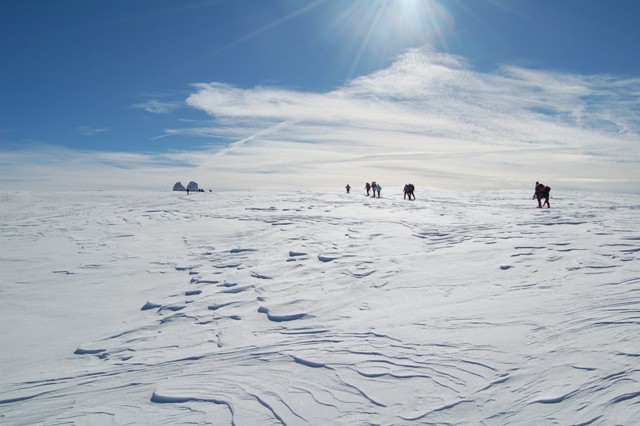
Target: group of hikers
[409,191]
[374,189]
[373,186]
[542,192]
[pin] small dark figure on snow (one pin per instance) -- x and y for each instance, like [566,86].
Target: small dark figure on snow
[542,192]
[537,194]
[545,194]
[373,188]
[348,188]
[408,191]
[367,186]
[378,188]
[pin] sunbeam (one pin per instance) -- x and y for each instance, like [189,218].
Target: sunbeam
[376,31]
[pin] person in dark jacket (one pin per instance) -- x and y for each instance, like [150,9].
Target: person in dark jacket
[542,192]
[546,191]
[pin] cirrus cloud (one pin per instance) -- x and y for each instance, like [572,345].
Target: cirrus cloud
[156,107]
[91,131]
[431,118]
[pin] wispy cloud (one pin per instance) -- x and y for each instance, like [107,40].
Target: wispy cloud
[91,131]
[429,118]
[156,107]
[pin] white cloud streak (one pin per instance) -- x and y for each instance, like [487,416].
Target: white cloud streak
[91,131]
[156,107]
[429,118]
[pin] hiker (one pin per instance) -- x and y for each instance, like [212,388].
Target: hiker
[406,192]
[542,191]
[537,194]
[348,188]
[545,194]
[367,186]
[373,188]
[378,189]
[412,189]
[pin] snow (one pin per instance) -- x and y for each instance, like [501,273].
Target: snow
[319,308]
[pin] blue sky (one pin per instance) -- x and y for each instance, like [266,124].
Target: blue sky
[248,93]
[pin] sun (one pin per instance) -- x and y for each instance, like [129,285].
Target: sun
[424,18]
[375,29]
[411,21]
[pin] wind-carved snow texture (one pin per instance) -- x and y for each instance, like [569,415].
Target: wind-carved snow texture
[315,308]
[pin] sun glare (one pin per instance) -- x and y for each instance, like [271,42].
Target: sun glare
[384,28]
[414,21]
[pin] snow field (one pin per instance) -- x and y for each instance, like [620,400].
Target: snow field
[319,308]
